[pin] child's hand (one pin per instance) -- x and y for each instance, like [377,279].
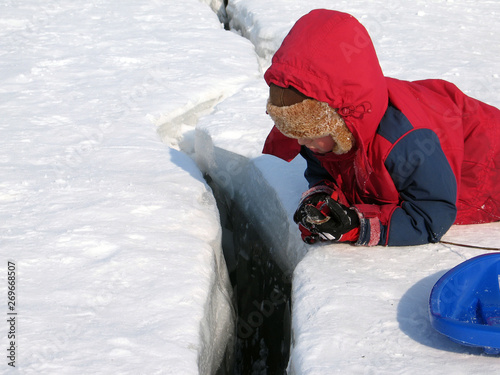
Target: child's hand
[320,217]
[311,197]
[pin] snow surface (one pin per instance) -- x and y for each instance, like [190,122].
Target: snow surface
[116,237]
[114,232]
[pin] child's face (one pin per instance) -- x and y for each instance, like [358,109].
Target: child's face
[318,145]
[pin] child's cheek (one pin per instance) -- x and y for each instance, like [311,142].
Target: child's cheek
[325,144]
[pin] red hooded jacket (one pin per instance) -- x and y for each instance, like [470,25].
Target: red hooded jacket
[426,155]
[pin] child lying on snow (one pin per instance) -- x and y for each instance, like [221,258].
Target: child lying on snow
[389,162]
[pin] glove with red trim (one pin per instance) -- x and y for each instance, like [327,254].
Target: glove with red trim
[321,216]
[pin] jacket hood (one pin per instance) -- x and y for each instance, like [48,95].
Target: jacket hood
[329,56]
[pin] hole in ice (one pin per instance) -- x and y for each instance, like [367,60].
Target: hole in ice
[261,296]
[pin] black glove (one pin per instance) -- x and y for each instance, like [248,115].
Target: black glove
[321,217]
[313,196]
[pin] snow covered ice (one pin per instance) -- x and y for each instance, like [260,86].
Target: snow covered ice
[111,113]
[116,237]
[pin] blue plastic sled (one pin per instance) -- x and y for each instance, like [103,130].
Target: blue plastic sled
[465,303]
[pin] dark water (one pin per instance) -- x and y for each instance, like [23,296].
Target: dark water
[261,297]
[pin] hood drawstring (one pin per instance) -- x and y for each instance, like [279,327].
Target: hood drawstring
[362,167]
[357,111]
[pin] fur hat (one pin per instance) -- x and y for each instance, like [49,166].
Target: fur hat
[298,116]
